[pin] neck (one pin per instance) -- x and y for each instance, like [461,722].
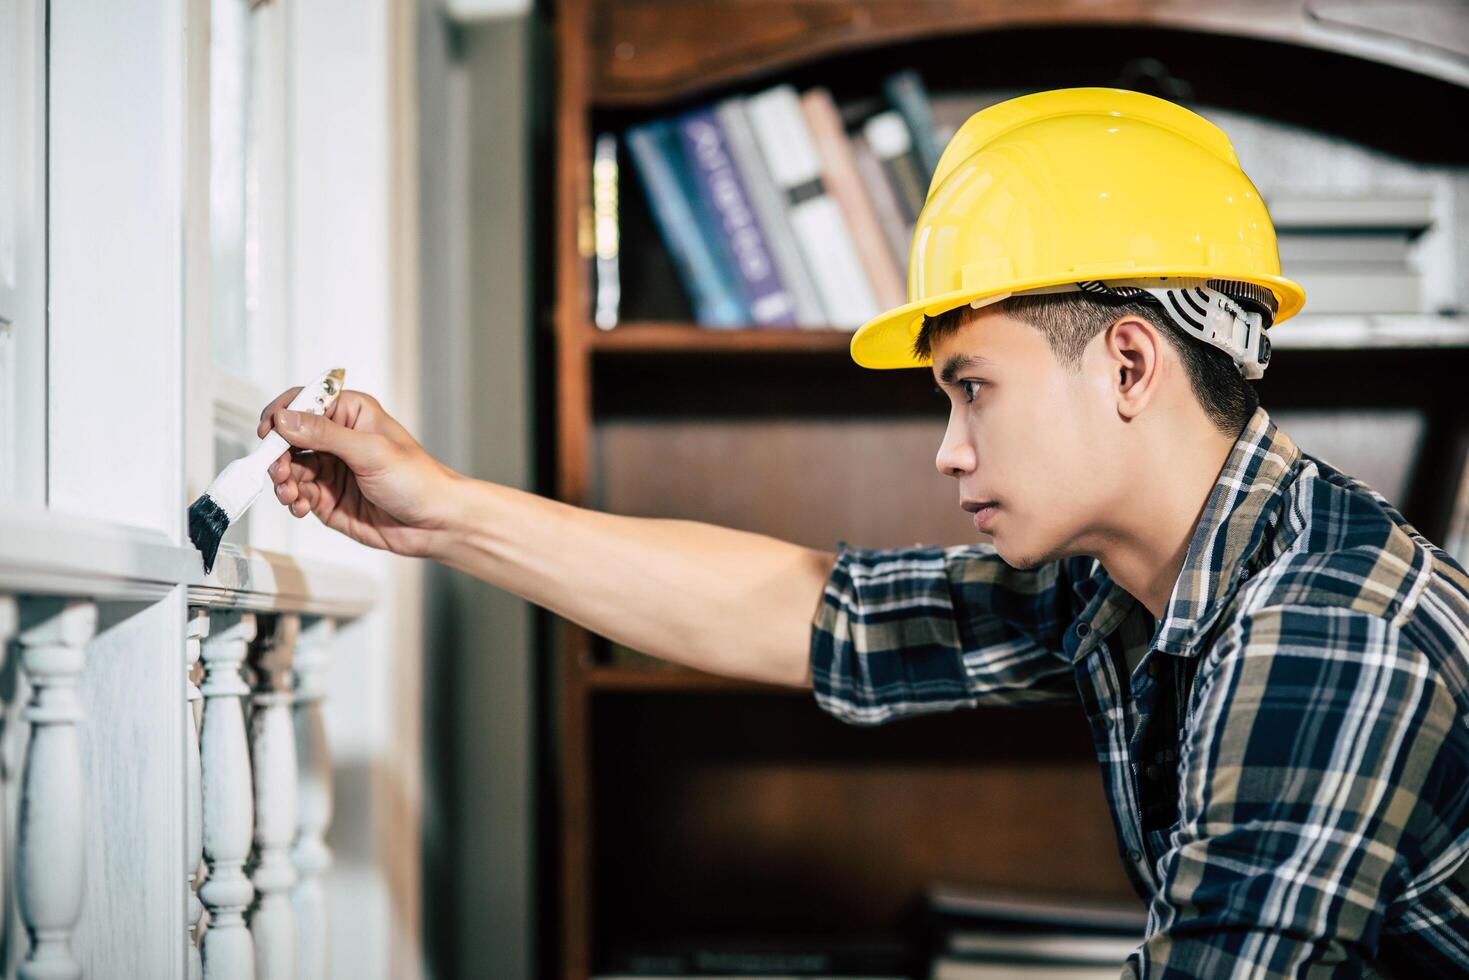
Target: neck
[1144,548]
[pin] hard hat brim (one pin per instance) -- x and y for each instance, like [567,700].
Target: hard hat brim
[886,341]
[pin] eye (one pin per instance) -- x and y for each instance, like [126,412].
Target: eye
[968,392]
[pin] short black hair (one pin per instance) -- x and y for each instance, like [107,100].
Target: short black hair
[1070,320]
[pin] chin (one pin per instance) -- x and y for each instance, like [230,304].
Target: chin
[1023,555]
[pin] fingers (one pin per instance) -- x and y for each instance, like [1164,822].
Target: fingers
[308,495]
[299,498]
[279,402]
[354,409]
[303,469]
[360,450]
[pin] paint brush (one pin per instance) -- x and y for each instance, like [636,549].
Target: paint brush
[236,488]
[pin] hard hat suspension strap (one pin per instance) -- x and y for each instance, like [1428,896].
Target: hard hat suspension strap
[1235,324]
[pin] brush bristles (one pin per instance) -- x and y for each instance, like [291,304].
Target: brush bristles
[207,524]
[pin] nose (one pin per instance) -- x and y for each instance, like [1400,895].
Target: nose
[956,455]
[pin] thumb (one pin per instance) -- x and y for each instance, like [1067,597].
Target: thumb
[305,430]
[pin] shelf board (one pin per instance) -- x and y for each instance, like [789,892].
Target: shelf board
[1327,331]
[1408,331]
[675,679]
[673,337]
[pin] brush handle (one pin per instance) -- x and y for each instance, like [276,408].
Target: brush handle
[274,443]
[270,447]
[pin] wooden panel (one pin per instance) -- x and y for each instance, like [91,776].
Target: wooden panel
[741,813]
[811,481]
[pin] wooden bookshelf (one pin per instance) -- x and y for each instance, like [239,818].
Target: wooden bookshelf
[689,803]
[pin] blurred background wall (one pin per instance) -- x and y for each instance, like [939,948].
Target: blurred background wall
[480,101]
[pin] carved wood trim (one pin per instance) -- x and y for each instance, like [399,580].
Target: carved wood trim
[648,51]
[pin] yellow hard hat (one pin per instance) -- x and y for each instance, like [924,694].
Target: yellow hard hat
[1079,185]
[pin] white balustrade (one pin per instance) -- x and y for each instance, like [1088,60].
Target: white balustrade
[314,797]
[273,754]
[53,636]
[193,800]
[226,948]
[253,781]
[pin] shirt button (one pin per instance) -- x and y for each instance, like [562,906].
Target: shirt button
[1134,855]
[1151,772]
[1153,667]
[1082,629]
[1106,721]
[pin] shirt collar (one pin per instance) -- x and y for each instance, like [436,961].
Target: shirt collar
[1242,507]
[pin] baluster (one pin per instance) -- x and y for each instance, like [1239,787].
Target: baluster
[273,752]
[314,799]
[227,951]
[53,640]
[194,805]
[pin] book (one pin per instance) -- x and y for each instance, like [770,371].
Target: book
[849,958]
[723,198]
[656,157]
[887,134]
[1407,212]
[907,93]
[949,968]
[768,202]
[823,234]
[1362,287]
[983,933]
[1049,947]
[839,173]
[977,903]
[1308,246]
[608,294]
[896,226]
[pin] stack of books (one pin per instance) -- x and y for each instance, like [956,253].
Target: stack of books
[992,934]
[1354,254]
[777,211]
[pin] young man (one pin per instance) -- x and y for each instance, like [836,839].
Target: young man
[1272,661]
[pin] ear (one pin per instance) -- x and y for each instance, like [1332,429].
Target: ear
[1133,348]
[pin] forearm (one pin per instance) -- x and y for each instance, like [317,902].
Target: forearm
[713,598]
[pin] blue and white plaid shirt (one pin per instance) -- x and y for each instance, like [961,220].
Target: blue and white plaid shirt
[1287,766]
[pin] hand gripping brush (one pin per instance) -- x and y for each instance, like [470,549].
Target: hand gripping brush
[235,489]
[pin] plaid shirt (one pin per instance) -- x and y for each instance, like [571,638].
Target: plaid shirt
[1288,764]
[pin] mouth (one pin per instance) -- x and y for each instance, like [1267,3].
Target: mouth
[984,513]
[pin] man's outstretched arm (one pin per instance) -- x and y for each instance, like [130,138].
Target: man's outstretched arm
[712,598]
[724,601]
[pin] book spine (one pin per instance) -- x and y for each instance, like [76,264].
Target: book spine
[895,225]
[654,155]
[887,134]
[605,231]
[770,212]
[839,172]
[825,239]
[907,93]
[718,185]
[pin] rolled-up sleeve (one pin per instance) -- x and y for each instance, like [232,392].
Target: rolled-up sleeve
[904,631]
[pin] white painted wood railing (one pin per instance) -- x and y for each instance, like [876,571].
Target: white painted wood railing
[254,645]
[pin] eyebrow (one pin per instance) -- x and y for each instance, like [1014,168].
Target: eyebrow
[960,362]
